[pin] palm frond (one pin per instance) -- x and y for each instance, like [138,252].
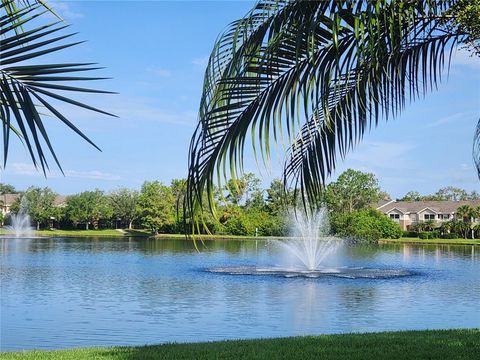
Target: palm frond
[23,86]
[322,72]
[476,148]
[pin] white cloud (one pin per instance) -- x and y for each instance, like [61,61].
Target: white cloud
[160,72]
[464,57]
[381,155]
[131,112]
[93,174]
[65,9]
[30,170]
[450,119]
[200,62]
[24,169]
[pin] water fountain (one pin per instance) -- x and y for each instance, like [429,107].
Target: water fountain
[307,251]
[20,222]
[310,242]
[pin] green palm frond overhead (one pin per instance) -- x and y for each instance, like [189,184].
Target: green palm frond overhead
[318,75]
[476,148]
[27,87]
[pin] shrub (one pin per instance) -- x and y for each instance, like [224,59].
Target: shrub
[368,225]
[428,235]
[449,236]
[410,234]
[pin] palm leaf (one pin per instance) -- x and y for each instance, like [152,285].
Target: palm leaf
[317,75]
[23,86]
[476,148]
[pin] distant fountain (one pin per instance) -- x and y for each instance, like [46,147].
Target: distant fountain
[20,223]
[311,243]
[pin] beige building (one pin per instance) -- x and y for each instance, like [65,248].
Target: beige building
[408,213]
[6,201]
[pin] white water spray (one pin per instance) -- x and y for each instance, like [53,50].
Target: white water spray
[311,243]
[20,222]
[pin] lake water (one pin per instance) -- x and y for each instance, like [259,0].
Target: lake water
[59,292]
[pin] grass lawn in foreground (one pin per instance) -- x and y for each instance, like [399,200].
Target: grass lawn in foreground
[433,344]
[459,241]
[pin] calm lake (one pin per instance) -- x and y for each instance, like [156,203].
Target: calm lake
[76,292]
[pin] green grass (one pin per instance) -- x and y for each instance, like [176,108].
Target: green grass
[93,233]
[433,344]
[459,241]
[219,237]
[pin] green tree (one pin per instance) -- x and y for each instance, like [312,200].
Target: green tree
[124,205]
[365,224]
[7,189]
[156,206]
[411,196]
[317,75]
[465,214]
[451,193]
[39,202]
[279,199]
[89,207]
[353,190]
[179,189]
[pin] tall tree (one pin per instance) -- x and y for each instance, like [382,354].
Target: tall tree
[156,206]
[39,203]
[124,205]
[411,196]
[89,207]
[353,190]
[465,213]
[317,75]
[7,189]
[451,193]
[179,188]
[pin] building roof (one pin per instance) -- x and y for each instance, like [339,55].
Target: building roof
[8,199]
[60,200]
[443,207]
[382,203]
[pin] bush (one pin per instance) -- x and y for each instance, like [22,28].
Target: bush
[368,225]
[449,236]
[428,235]
[410,234]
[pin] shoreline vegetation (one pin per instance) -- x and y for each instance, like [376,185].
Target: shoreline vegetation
[414,344]
[147,234]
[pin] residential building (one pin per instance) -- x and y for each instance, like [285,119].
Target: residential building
[408,213]
[6,201]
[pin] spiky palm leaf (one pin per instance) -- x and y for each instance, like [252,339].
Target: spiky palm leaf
[324,71]
[27,88]
[476,148]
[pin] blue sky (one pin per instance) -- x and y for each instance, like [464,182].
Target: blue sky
[156,53]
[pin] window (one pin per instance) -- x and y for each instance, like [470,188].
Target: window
[443,216]
[429,217]
[395,216]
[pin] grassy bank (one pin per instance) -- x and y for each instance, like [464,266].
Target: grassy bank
[87,233]
[134,233]
[407,240]
[433,344]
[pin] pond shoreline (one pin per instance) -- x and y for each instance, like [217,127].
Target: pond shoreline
[418,241]
[423,344]
[121,233]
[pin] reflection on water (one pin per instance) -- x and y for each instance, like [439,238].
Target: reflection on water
[58,293]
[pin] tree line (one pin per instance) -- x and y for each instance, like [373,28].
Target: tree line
[243,207]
